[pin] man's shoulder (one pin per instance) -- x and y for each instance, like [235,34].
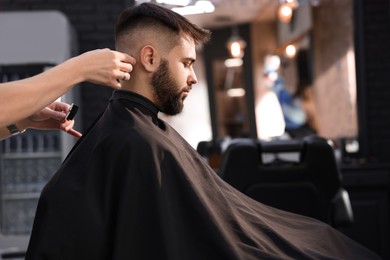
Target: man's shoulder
[118,127]
[123,136]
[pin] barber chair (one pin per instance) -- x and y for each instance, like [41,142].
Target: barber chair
[299,176]
[211,151]
[17,255]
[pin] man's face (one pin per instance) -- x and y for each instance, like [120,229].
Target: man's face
[173,80]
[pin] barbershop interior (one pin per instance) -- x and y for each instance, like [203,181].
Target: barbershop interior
[291,106]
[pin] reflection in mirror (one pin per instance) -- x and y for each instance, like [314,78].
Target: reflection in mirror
[313,89]
[230,98]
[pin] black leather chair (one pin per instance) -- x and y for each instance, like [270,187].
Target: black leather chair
[13,255]
[299,176]
[211,151]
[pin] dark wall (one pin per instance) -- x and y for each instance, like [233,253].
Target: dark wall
[368,184]
[94,22]
[372,20]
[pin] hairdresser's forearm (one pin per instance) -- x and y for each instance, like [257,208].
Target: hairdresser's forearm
[22,98]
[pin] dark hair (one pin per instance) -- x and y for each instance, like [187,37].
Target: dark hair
[152,14]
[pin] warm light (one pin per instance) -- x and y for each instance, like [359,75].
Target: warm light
[286,10]
[290,51]
[231,63]
[236,92]
[235,49]
[236,46]
[200,7]
[285,13]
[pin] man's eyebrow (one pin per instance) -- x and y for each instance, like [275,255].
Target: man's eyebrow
[190,60]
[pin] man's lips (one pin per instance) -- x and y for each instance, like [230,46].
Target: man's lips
[186,91]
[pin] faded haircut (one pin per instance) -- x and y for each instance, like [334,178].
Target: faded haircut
[152,16]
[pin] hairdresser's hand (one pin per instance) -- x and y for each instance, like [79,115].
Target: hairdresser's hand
[105,67]
[51,117]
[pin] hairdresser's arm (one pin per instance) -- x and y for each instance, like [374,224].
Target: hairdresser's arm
[22,98]
[51,117]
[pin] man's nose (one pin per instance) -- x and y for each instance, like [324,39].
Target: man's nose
[192,79]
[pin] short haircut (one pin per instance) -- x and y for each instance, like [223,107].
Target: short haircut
[170,25]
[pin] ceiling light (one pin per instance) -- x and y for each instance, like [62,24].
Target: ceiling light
[285,13]
[200,7]
[290,51]
[236,44]
[174,2]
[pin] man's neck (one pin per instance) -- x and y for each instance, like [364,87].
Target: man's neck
[141,87]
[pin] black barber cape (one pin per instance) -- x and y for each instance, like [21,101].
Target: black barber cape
[133,188]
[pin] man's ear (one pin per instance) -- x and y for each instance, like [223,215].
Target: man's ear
[150,58]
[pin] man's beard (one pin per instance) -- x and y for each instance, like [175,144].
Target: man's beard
[165,88]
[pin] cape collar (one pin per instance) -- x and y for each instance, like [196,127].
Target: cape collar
[136,98]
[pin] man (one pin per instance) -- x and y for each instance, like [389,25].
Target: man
[133,188]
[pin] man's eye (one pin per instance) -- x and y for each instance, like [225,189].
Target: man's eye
[188,64]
